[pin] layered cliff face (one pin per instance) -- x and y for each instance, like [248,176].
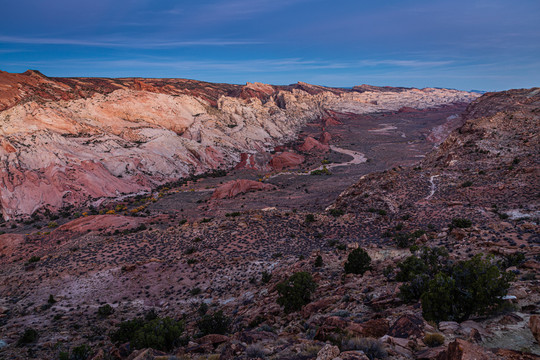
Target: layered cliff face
[489,164]
[79,140]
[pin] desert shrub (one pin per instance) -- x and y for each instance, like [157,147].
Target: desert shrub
[105,310]
[255,351]
[402,240]
[265,277]
[433,339]
[195,291]
[81,352]
[158,333]
[358,262]
[33,259]
[323,171]
[467,184]
[310,218]
[460,223]
[29,336]
[295,291]
[126,330]
[373,348]
[514,259]
[51,300]
[429,261]
[202,309]
[336,212]
[474,286]
[318,261]
[217,323]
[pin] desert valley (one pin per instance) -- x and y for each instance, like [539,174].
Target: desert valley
[180,219]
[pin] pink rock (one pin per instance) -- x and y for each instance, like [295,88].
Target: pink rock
[311,144]
[235,187]
[286,160]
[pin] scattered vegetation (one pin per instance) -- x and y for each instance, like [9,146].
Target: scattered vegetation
[323,171]
[158,333]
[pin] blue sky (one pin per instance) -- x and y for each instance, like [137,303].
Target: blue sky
[483,44]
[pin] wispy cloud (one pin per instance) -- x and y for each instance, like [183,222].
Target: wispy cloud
[124,42]
[405,63]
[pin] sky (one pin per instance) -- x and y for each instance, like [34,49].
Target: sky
[463,44]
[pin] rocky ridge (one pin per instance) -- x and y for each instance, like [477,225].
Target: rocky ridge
[77,141]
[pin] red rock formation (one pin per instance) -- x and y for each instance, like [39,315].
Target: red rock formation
[235,187]
[325,138]
[286,160]
[311,144]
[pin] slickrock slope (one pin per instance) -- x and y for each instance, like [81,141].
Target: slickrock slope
[78,140]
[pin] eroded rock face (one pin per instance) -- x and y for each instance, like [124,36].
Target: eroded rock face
[235,187]
[286,160]
[77,140]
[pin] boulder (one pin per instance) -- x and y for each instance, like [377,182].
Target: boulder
[463,350]
[286,160]
[406,326]
[213,339]
[316,306]
[328,352]
[311,144]
[534,325]
[353,355]
[232,188]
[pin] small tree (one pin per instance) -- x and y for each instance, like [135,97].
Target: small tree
[475,286]
[358,262]
[295,291]
[216,323]
[318,261]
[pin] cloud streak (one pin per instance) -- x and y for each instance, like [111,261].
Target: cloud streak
[125,42]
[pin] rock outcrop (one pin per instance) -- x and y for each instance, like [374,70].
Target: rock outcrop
[235,187]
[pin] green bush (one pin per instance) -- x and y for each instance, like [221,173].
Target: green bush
[158,333]
[413,290]
[310,218]
[358,262]
[216,323]
[318,261]
[295,291]
[475,286]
